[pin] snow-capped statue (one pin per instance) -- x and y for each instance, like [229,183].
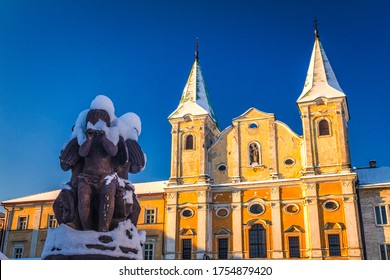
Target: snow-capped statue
[102,151]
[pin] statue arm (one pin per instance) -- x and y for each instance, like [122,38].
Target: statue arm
[86,146]
[110,147]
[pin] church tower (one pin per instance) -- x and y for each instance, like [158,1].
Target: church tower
[324,112]
[194,129]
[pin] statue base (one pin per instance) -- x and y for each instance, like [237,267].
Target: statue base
[122,243]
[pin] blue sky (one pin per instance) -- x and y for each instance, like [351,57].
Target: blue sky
[56,56]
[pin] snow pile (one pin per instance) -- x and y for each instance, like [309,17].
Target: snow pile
[3,257]
[125,241]
[128,125]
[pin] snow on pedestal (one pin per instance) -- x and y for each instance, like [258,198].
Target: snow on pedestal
[124,242]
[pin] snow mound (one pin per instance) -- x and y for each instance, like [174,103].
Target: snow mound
[125,241]
[102,102]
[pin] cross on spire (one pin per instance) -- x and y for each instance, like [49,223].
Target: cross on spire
[197,49]
[315,24]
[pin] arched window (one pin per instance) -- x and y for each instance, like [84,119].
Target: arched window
[254,154]
[189,142]
[257,242]
[323,127]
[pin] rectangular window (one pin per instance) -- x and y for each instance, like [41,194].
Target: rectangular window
[149,251]
[222,248]
[334,245]
[17,252]
[385,251]
[22,223]
[150,216]
[293,247]
[380,215]
[187,248]
[51,221]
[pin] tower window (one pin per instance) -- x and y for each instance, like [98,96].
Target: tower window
[189,142]
[323,128]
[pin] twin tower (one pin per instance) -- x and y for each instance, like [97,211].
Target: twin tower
[256,146]
[257,189]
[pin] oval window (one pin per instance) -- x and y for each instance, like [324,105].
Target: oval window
[253,125]
[289,161]
[222,168]
[187,213]
[256,209]
[291,208]
[222,212]
[330,205]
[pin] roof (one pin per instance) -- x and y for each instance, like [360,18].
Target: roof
[140,188]
[195,99]
[320,79]
[372,176]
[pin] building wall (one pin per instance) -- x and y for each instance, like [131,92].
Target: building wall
[374,234]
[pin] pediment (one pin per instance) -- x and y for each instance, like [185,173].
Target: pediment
[295,228]
[222,232]
[187,232]
[253,113]
[334,226]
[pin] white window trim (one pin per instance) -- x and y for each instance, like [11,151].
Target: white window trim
[15,247]
[154,215]
[153,243]
[18,222]
[387,207]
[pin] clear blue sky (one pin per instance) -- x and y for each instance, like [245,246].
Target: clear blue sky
[56,56]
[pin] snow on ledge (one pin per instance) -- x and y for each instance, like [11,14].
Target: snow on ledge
[125,241]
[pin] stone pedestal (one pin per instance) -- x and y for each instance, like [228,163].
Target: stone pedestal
[123,243]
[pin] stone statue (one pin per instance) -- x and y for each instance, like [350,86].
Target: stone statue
[254,154]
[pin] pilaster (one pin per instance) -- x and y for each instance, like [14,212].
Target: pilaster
[237,225]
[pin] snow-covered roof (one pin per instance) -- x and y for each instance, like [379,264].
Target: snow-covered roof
[320,79]
[45,196]
[373,176]
[195,99]
[140,188]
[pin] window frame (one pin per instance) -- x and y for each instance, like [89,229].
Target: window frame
[18,255]
[385,255]
[22,225]
[330,250]
[225,249]
[149,252]
[186,146]
[298,247]
[186,252]
[150,218]
[258,247]
[52,221]
[384,211]
[320,129]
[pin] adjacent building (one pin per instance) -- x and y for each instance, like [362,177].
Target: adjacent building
[374,201]
[254,190]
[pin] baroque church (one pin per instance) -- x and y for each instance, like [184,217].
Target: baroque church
[255,189]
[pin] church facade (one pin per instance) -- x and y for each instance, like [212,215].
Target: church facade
[255,189]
